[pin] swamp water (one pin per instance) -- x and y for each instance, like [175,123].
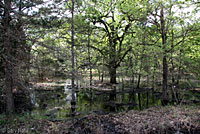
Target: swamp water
[56,104]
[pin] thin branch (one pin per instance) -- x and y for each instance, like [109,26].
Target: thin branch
[122,37]
[99,50]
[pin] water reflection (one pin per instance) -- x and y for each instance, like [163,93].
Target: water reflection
[57,104]
[68,92]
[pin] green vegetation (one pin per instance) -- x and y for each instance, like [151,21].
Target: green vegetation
[63,60]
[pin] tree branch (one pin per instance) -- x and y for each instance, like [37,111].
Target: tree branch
[122,37]
[121,59]
[99,50]
[105,25]
[1,5]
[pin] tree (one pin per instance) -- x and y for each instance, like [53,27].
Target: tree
[7,45]
[109,17]
[16,53]
[162,15]
[73,102]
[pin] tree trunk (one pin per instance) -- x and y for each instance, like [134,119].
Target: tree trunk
[139,95]
[99,73]
[147,99]
[153,81]
[164,86]
[8,87]
[173,68]
[73,101]
[179,68]
[138,83]
[165,66]
[103,72]
[102,76]
[113,72]
[89,60]
[7,44]
[139,101]
[113,81]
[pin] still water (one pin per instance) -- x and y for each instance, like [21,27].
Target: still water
[55,104]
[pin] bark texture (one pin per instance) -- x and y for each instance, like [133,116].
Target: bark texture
[8,66]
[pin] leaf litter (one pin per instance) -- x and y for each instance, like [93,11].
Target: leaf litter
[155,120]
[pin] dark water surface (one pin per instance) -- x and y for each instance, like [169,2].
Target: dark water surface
[55,104]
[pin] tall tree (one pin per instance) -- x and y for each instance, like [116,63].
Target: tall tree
[7,45]
[73,102]
[16,53]
[165,20]
[165,65]
[109,17]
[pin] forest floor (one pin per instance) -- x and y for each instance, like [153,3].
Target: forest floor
[183,119]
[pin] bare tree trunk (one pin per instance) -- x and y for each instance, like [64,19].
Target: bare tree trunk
[7,44]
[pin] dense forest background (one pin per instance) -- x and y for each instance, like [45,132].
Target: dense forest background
[138,44]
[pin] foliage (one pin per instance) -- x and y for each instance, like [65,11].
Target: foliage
[124,39]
